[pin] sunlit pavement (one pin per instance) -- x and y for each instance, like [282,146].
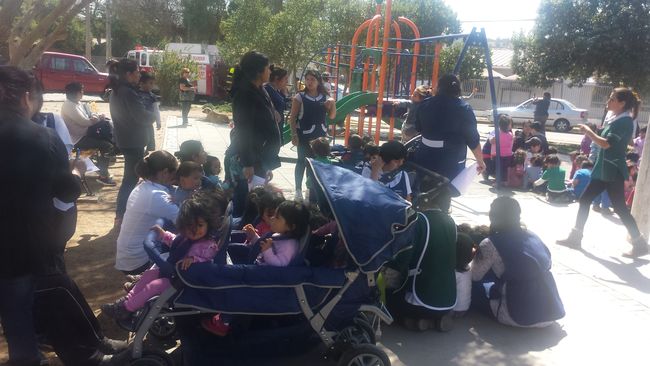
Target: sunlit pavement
[606,296]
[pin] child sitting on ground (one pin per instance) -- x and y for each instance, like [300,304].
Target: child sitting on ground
[533,171]
[355,155]
[386,169]
[517,170]
[630,183]
[370,152]
[554,177]
[576,162]
[534,147]
[465,248]
[581,178]
[321,149]
[212,169]
[188,177]
[196,220]
[277,248]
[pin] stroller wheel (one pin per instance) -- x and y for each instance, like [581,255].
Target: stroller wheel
[357,334]
[163,327]
[364,355]
[153,358]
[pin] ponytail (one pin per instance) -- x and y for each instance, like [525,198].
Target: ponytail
[277,73]
[154,163]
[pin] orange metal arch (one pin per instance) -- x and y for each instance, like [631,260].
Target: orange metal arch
[416,50]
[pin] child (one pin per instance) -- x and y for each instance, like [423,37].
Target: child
[355,155]
[151,103]
[212,169]
[582,177]
[464,255]
[534,147]
[554,177]
[267,206]
[196,220]
[188,178]
[408,128]
[278,248]
[370,152]
[630,183]
[321,150]
[517,170]
[533,171]
[505,145]
[640,141]
[386,169]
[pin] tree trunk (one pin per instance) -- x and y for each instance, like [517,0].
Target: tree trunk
[642,193]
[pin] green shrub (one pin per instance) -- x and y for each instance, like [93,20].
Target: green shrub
[168,73]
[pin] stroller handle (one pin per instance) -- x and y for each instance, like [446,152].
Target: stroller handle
[166,269]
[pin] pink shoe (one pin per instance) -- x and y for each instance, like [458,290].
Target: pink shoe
[215,326]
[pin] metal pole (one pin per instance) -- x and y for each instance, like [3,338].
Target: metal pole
[488,62]
[382,71]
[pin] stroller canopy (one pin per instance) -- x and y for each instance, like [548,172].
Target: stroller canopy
[374,222]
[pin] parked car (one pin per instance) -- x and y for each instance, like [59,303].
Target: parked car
[55,70]
[562,114]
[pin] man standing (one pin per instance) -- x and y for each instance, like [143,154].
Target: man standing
[541,108]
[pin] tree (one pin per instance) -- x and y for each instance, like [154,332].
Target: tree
[473,63]
[202,20]
[29,28]
[244,30]
[149,22]
[433,17]
[579,39]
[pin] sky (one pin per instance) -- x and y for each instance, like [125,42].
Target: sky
[500,18]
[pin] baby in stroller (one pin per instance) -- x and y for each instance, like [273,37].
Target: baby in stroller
[197,223]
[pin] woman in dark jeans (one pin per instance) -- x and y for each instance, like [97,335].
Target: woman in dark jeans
[255,138]
[131,123]
[610,169]
[186,94]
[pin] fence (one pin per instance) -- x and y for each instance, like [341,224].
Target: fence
[510,93]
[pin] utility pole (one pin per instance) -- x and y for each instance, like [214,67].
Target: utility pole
[89,36]
[109,51]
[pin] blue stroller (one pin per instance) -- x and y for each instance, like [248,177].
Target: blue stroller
[307,302]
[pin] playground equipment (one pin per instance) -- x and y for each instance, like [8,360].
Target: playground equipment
[376,76]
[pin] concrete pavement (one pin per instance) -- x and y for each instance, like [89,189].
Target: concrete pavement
[606,296]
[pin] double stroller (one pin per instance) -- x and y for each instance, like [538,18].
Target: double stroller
[290,308]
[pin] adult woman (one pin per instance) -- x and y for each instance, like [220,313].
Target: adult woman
[448,128]
[512,270]
[610,169]
[186,93]
[132,122]
[307,120]
[255,138]
[149,201]
[277,90]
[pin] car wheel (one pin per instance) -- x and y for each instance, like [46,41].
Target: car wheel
[562,125]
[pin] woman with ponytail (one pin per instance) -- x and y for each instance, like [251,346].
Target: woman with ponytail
[255,138]
[149,201]
[277,90]
[610,169]
[131,122]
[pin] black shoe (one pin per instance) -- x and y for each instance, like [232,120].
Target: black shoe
[574,241]
[109,346]
[116,310]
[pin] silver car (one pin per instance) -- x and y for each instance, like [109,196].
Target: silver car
[562,114]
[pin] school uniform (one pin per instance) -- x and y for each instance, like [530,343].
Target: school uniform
[311,125]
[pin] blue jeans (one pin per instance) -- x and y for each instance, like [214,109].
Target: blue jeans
[602,200]
[16,304]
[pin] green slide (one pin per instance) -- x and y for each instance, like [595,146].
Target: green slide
[344,106]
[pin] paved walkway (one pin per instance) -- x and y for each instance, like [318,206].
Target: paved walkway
[606,296]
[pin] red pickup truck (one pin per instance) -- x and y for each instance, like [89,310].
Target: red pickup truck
[55,70]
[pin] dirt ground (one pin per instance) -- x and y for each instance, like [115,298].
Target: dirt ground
[90,254]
